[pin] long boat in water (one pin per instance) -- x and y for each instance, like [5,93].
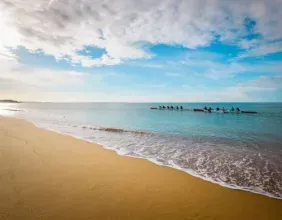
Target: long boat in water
[224,111]
[171,108]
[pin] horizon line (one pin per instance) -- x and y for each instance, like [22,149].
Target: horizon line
[16,101]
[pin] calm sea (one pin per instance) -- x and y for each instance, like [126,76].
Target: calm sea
[234,150]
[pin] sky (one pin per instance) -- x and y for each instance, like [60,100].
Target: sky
[141,50]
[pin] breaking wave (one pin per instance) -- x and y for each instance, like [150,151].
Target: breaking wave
[114,130]
[221,161]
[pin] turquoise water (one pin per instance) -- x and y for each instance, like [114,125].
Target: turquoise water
[235,150]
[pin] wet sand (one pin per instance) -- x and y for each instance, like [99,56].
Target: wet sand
[46,175]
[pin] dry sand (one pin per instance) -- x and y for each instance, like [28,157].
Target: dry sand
[45,175]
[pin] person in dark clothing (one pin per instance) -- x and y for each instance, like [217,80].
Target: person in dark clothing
[171,107]
[209,109]
[168,107]
[217,109]
[177,107]
[181,107]
[163,107]
[237,109]
[232,109]
[205,108]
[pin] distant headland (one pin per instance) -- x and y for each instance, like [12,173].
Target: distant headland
[9,101]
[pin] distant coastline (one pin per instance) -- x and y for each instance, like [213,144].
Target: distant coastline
[9,101]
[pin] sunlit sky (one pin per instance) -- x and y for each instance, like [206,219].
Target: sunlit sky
[141,50]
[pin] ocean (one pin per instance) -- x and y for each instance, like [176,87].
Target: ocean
[239,151]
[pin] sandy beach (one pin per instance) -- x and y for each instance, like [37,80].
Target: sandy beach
[46,175]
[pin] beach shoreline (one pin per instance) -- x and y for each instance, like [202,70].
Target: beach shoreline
[49,175]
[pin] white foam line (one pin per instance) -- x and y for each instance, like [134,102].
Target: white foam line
[172,164]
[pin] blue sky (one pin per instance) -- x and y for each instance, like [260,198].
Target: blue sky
[139,51]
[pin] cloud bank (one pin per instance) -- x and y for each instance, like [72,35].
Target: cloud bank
[124,28]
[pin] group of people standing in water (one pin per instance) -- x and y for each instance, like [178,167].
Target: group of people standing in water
[171,107]
[222,109]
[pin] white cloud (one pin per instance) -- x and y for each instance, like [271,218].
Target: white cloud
[263,83]
[216,70]
[258,50]
[203,55]
[26,83]
[239,92]
[12,70]
[247,44]
[43,77]
[213,69]
[62,27]
[154,65]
